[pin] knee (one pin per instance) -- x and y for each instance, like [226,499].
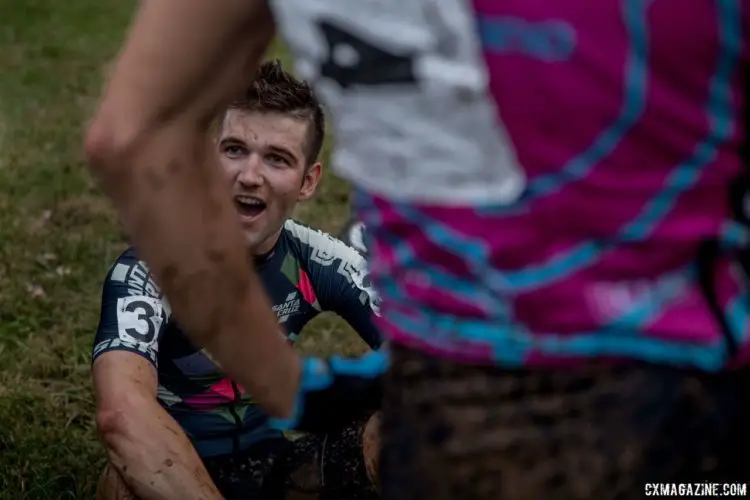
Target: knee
[371,447]
[112,487]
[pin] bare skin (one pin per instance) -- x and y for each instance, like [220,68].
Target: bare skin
[371,448]
[263,155]
[111,486]
[149,143]
[150,456]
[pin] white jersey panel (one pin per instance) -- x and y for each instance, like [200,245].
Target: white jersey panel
[407,87]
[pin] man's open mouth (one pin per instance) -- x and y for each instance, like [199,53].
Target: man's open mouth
[249,206]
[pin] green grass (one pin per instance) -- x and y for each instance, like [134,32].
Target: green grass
[58,236]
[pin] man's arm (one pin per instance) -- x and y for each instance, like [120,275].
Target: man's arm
[337,391]
[346,289]
[149,143]
[144,443]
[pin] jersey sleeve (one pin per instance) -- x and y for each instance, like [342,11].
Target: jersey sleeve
[340,278]
[133,314]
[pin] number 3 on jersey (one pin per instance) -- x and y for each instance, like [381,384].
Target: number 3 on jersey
[139,319]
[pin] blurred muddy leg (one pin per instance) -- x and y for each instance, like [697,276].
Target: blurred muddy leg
[112,487]
[596,431]
[477,433]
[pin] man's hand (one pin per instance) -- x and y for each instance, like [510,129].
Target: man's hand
[337,390]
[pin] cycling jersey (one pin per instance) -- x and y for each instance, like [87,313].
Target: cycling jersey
[307,272]
[545,181]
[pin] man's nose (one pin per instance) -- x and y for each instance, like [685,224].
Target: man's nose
[251,173]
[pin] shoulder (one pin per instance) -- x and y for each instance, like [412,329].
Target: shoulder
[321,247]
[133,311]
[132,275]
[353,234]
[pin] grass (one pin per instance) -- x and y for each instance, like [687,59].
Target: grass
[58,236]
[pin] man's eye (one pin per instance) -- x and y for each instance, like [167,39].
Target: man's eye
[277,159]
[234,150]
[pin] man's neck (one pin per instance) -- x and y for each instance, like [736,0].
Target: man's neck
[265,249]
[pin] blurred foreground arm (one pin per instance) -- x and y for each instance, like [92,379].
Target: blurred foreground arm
[145,445]
[149,143]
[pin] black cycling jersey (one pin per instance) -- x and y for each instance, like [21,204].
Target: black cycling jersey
[306,273]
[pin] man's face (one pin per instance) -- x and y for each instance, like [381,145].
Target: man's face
[264,155]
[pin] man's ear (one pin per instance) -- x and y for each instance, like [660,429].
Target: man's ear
[310,181]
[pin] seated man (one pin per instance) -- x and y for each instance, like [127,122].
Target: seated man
[173,425]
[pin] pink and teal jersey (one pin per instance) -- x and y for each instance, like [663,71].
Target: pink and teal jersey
[546,181]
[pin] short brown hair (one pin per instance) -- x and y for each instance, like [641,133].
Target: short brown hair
[276,90]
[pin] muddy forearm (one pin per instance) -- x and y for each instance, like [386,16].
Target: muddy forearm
[155,458]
